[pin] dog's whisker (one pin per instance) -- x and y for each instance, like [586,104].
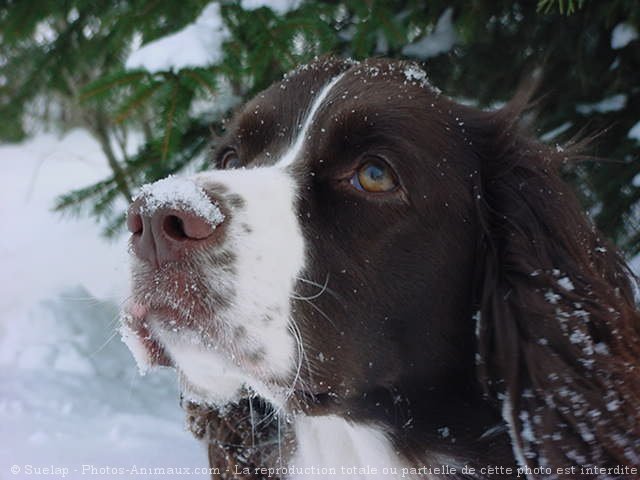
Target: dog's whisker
[323,287]
[295,330]
[297,381]
[320,311]
[279,440]
[113,328]
[253,425]
[113,335]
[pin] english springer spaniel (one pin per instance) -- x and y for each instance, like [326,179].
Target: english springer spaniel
[373,281]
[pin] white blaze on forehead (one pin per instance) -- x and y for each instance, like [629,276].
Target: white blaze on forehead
[290,156]
[179,193]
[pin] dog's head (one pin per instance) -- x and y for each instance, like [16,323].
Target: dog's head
[362,245]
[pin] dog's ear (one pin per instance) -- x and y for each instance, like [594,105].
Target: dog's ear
[558,329]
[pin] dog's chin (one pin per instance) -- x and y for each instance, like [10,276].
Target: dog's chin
[217,375]
[211,370]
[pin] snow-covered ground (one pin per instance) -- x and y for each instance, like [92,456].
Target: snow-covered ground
[70,394]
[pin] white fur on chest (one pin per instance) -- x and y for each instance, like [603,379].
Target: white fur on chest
[353,451]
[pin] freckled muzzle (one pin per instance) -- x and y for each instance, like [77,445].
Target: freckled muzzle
[173,217]
[214,255]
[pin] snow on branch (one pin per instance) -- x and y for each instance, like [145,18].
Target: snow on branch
[198,44]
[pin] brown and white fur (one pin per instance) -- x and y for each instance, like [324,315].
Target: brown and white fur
[469,316]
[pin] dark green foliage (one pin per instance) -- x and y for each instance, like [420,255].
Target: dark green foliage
[72,54]
[568,6]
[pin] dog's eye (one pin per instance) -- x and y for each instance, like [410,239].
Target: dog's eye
[374,176]
[230,159]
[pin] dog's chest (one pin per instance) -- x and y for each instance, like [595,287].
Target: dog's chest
[344,450]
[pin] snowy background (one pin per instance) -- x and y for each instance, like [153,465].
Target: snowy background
[69,391]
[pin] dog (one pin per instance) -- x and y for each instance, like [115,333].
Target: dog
[374,281]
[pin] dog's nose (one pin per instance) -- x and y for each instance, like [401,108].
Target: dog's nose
[168,233]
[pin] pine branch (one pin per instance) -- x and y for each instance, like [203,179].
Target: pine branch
[142,95]
[76,200]
[203,78]
[101,132]
[563,6]
[107,84]
[115,225]
[169,121]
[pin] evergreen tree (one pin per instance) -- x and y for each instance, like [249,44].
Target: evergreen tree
[67,62]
